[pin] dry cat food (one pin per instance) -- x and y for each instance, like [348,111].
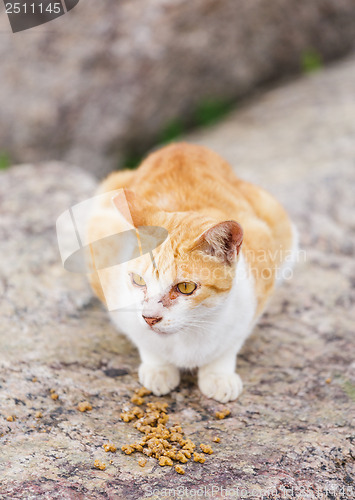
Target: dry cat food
[165,444]
[110,447]
[137,400]
[54,395]
[222,414]
[84,406]
[99,465]
[199,457]
[206,448]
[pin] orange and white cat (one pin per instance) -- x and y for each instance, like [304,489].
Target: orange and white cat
[200,295]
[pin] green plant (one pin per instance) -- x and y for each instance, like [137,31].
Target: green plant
[5,160]
[131,161]
[210,111]
[311,61]
[207,112]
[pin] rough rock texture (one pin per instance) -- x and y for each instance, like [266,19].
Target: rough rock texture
[290,434]
[107,78]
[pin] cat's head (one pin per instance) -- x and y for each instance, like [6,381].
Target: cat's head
[190,273]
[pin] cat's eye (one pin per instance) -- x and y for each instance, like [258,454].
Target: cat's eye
[137,280]
[186,287]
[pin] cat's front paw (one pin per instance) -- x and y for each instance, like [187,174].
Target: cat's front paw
[159,379]
[222,387]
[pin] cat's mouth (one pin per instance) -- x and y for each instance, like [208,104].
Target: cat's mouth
[163,331]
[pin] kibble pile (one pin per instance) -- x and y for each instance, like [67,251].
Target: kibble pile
[163,443]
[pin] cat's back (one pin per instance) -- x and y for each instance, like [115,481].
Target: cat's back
[186,177]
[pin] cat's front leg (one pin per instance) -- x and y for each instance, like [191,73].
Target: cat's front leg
[156,374]
[218,380]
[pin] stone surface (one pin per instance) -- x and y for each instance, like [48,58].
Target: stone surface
[290,434]
[105,79]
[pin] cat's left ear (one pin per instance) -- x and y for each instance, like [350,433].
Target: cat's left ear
[222,240]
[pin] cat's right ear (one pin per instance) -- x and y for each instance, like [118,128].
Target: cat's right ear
[136,211]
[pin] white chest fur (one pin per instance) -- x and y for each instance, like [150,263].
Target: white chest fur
[215,329]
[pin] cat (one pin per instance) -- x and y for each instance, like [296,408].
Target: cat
[200,293]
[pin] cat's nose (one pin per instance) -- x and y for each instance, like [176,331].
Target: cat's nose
[152,320]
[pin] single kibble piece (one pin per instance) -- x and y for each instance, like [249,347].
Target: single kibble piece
[222,414]
[199,457]
[206,448]
[137,400]
[10,418]
[34,379]
[165,461]
[142,461]
[84,406]
[137,412]
[170,454]
[216,439]
[110,447]
[127,416]
[127,449]
[176,428]
[328,380]
[179,469]
[181,457]
[54,396]
[99,465]
[158,406]
[38,414]
[188,445]
[143,392]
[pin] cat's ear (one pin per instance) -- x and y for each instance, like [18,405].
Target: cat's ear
[136,211]
[222,240]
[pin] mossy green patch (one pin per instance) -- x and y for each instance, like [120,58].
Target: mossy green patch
[131,161]
[207,112]
[210,111]
[311,61]
[5,161]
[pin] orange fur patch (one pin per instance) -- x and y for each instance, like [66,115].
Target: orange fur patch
[188,189]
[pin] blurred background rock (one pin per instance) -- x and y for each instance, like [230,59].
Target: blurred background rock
[109,80]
